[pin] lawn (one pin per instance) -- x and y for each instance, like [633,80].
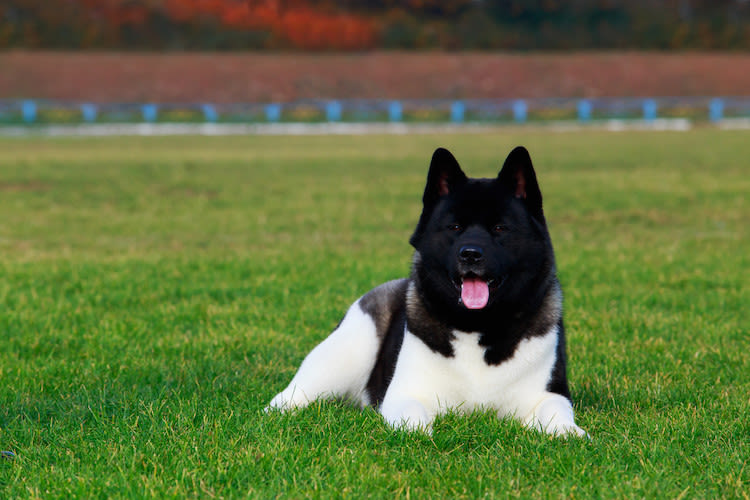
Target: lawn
[155,293]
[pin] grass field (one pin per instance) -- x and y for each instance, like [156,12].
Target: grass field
[155,293]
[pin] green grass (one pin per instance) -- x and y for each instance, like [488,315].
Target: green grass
[155,293]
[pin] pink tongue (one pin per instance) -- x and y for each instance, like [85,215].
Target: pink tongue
[474,293]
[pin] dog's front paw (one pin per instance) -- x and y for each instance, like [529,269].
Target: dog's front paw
[407,416]
[568,430]
[288,400]
[554,415]
[278,403]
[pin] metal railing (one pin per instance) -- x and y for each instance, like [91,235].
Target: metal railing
[712,109]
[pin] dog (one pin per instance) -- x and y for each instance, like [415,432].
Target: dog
[478,324]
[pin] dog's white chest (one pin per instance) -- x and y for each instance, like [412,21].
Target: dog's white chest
[466,382]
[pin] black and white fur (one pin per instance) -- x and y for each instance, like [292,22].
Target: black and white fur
[414,349]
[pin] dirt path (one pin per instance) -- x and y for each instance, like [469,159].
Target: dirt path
[264,77]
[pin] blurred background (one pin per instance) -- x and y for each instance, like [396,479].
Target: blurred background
[370,24]
[164,60]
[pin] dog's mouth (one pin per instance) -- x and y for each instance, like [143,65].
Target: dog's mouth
[475,290]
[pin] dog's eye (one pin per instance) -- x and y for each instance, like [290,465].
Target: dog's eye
[454,227]
[499,228]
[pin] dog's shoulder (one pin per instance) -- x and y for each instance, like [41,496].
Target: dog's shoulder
[383,302]
[386,305]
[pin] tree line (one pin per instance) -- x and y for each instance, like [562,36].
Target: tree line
[371,24]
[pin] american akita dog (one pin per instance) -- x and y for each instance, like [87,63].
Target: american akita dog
[477,325]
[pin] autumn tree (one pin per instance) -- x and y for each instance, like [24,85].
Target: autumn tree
[366,24]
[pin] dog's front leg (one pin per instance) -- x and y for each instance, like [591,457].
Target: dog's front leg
[411,401]
[338,367]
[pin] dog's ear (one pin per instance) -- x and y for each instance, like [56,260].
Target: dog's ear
[518,176]
[444,177]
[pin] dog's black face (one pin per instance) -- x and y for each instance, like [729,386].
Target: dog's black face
[482,244]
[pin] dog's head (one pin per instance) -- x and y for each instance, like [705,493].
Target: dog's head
[481,243]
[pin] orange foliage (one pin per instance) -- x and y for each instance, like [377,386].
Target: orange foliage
[300,25]
[363,24]
[305,28]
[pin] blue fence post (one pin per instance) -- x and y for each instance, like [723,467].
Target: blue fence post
[458,109]
[28,110]
[149,111]
[394,111]
[89,112]
[519,110]
[716,109]
[273,112]
[209,113]
[649,110]
[584,110]
[333,111]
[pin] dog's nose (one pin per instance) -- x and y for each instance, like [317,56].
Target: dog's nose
[470,254]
